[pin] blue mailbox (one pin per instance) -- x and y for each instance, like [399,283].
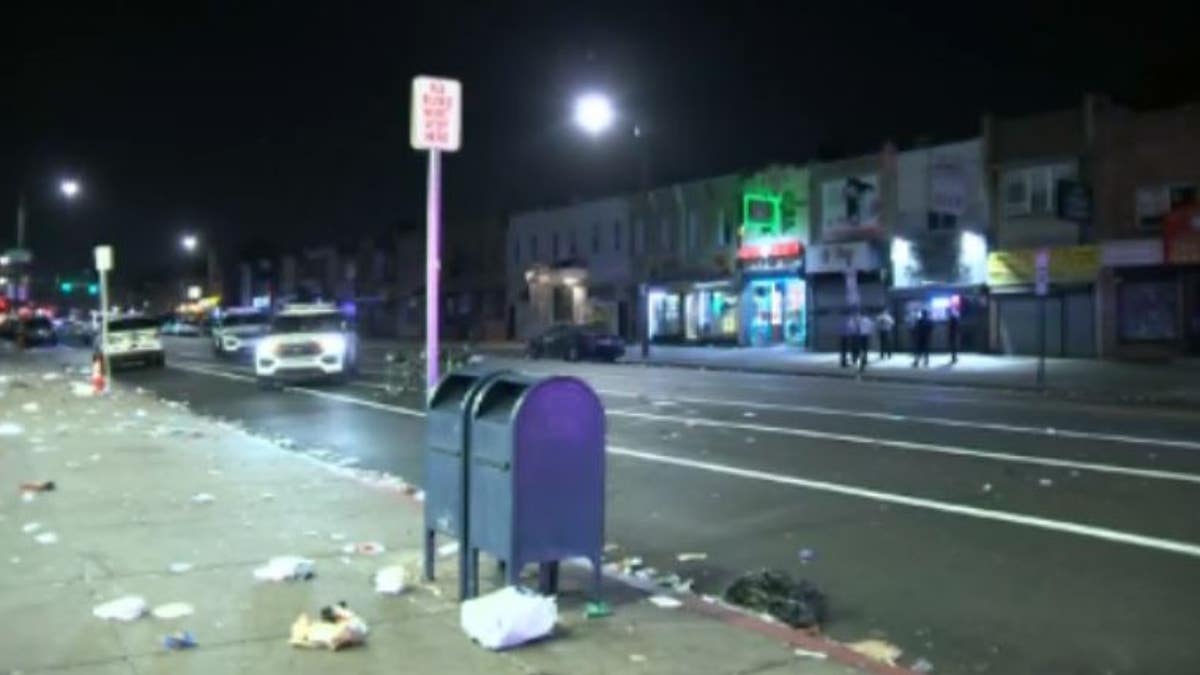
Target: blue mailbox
[536,476]
[447,446]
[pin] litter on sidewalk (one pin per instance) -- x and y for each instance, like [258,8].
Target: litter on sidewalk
[31,407]
[38,486]
[364,548]
[286,568]
[390,580]
[172,610]
[179,567]
[799,604]
[179,640]
[508,617]
[665,602]
[691,557]
[337,627]
[877,650]
[203,498]
[125,608]
[10,429]
[46,538]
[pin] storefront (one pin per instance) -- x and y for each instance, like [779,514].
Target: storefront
[843,278]
[1070,304]
[699,312]
[774,298]
[944,274]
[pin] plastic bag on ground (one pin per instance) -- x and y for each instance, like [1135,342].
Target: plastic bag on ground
[126,608]
[390,580]
[286,568]
[508,617]
[799,604]
[337,627]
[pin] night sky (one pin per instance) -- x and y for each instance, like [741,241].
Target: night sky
[287,122]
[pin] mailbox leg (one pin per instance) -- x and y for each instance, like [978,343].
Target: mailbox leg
[597,575]
[513,572]
[430,536]
[471,574]
[548,578]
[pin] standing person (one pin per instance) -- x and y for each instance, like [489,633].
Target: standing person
[849,330]
[952,334]
[922,332]
[885,324]
[864,329]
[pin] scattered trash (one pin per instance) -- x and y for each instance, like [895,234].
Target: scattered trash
[286,568]
[203,498]
[82,389]
[28,497]
[665,602]
[95,457]
[597,610]
[637,658]
[799,604]
[922,665]
[139,413]
[1045,482]
[172,610]
[127,608]
[877,650]
[508,617]
[749,413]
[807,555]
[30,528]
[390,580]
[750,440]
[448,549]
[179,567]
[690,557]
[364,548]
[179,640]
[50,377]
[267,496]
[47,538]
[337,627]
[610,547]
[38,486]
[1051,431]
[810,654]
[10,429]
[987,487]
[31,407]
[337,536]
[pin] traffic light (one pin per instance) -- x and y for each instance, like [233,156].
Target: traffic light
[66,287]
[93,289]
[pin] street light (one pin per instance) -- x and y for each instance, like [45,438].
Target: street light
[69,187]
[594,113]
[189,242]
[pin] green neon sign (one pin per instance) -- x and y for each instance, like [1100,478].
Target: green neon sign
[762,214]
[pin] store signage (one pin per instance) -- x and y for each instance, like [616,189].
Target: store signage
[1041,272]
[1131,253]
[436,114]
[1181,235]
[780,248]
[1067,264]
[829,258]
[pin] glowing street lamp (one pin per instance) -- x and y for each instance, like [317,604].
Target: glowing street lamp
[594,113]
[69,187]
[189,242]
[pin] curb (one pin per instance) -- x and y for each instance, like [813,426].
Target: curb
[1164,402]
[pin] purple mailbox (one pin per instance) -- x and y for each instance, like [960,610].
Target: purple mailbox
[536,477]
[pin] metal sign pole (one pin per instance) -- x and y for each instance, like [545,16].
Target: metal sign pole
[1041,369]
[433,266]
[104,325]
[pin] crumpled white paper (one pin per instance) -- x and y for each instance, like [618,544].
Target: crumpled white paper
[508,617]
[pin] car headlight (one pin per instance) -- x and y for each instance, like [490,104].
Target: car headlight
[264,349]
[332,344]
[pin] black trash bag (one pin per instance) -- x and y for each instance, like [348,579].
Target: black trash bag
[799,604]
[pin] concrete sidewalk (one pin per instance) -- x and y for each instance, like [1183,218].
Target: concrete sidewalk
[127,468]
[1176,383]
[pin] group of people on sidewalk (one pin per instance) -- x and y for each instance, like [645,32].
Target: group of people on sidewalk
[856,337]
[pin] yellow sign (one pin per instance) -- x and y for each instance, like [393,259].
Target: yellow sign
[1068,264]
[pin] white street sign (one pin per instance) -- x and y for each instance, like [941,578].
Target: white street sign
[1042,271]
[436,114]
[104,258]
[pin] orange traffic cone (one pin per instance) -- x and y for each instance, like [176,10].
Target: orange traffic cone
[99,381]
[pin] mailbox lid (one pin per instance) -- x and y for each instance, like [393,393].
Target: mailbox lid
[493,416]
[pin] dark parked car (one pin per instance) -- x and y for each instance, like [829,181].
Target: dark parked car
[573,343]
[37,330]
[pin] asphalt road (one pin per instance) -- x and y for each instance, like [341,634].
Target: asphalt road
[985,532]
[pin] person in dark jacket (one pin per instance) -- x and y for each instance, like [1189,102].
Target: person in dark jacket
[952,334]
[922,334]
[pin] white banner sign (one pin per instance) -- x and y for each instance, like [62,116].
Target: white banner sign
[436,114]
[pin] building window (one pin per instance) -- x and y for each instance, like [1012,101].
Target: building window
[616,235]
[1031,191]
[1155,202]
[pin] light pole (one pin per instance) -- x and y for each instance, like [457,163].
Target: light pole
[595,114]
[69,189]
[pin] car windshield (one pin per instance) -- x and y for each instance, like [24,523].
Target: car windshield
[244,320]
[307,323]
[132,323]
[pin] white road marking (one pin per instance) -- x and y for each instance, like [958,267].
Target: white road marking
[914,445]
[1068,527]
[937,421]
[1080,529]
[332,396]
